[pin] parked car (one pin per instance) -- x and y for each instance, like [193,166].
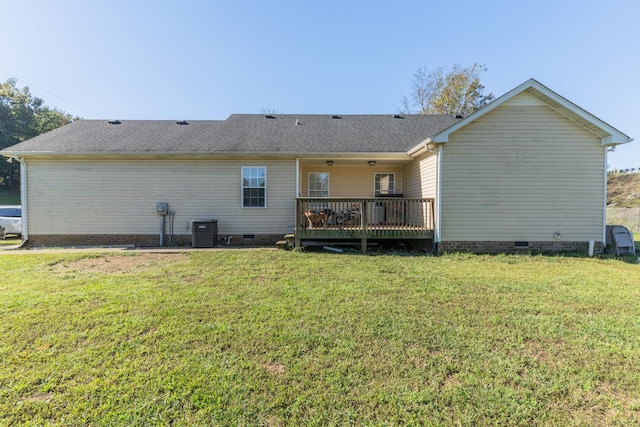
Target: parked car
[11,219]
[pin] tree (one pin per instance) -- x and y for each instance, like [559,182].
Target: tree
[23,116]
[447,91]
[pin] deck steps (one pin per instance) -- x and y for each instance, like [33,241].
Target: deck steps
[287,243]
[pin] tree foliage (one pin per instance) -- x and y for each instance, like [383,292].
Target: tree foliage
[23,116]
[447,91]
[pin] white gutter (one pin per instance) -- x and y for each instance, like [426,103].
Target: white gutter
[420,148]
[23,198]
[608,141]
[400,155]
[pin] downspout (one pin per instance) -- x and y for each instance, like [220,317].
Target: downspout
[437,229]
[297,177]
[295,200]
[23,198]
[438,204]
[604,214]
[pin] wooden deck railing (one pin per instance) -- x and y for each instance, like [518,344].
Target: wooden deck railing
[364,218]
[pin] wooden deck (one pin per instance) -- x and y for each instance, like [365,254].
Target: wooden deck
[363,219]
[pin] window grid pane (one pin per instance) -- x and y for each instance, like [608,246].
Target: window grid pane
[384,183]
[318,184]
[254,183]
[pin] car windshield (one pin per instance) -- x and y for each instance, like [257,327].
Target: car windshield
[10,212]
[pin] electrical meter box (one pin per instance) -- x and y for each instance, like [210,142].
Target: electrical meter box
[162,208]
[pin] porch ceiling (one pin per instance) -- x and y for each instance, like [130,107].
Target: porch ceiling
[357,161]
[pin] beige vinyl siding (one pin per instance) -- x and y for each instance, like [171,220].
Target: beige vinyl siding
[349,181]
[420,177]
[522,172]
[119,196]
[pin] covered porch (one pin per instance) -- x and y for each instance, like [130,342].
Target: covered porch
[375,218]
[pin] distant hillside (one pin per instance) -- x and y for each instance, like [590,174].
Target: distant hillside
[623,190]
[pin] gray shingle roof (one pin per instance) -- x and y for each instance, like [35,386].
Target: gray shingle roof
[242,133]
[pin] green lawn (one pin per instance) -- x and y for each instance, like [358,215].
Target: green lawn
[10,241]
[275,338]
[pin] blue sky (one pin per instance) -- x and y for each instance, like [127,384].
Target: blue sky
[188,59]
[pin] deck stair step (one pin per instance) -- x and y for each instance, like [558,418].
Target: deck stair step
[287,243]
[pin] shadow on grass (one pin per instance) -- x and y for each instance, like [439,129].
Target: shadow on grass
[409,251]
[10,241]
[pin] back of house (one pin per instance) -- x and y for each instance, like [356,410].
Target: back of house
[525,172]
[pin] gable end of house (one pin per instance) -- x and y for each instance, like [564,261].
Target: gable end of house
[609,135]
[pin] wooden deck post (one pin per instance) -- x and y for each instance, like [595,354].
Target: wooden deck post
[364,218]
[432,214]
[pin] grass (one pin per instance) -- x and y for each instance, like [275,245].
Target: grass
[288,338]
[9,241]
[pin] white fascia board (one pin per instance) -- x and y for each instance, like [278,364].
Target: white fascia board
[613,137]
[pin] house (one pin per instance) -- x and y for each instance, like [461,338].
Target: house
[528,171]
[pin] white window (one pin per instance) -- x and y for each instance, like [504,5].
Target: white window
[318,184]
[384,183]
[254,187]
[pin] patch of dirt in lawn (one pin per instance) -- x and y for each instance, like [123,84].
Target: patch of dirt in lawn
[110,264]
[39,397]
[275,368]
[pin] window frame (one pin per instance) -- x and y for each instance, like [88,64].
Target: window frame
[309,184]
[243,187]
[376,192]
